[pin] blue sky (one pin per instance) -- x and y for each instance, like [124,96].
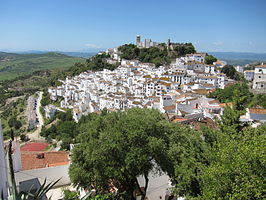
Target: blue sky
[77,25]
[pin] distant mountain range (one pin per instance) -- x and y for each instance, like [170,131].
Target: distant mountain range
[73,54]
[240,58]
[80,54]
[233,58]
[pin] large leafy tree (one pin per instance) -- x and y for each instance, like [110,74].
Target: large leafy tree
[187,155]
[116,148]
[237,170]
[235,167]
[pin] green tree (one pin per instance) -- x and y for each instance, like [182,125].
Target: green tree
[230,122]
[180,50]
[238,93]
[258,100]
[129,51]
[231,72]
[116,148]
[187,155]
[209,59]
[189,48]
[238,168]
[65,116]
[13,122]
[45,99]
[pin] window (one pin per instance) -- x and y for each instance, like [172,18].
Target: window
[40,156]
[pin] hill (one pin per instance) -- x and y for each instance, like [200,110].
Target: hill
[240,58]
[13,65]
[158,55]
[80,54]
[67,53]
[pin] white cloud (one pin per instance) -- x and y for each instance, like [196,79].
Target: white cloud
[218,43]
[93,46]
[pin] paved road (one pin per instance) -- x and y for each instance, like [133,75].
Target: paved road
[35,136]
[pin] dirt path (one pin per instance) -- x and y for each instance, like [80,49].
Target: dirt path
[9,100]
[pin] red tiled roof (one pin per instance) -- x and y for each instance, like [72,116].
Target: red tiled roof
[223,105]
[34,146]
[39,159]
[179,119]
[261,66]
[58,164]
[172,107]
[257,111]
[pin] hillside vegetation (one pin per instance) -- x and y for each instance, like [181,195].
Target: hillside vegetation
[157,55]
[13,65]
[240,94]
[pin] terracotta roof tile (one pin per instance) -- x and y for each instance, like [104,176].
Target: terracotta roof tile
[34,146]
[257,111]
[180,119]
[39,159]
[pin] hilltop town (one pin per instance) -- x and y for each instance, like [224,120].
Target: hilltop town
[179,89]
[179,103]
[133,100]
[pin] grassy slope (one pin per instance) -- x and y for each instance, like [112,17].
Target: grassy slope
[13,65]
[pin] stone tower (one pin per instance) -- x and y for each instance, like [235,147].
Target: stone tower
[168,43]
[138,41]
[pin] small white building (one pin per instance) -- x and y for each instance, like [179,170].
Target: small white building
[50,111]
[239,69]
[259,82]
[249,75]
[165,100]
[198,57]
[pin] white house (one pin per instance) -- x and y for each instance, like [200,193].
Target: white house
[50,111]
[249,75]
[239,69]
[198,57]
[259,82]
